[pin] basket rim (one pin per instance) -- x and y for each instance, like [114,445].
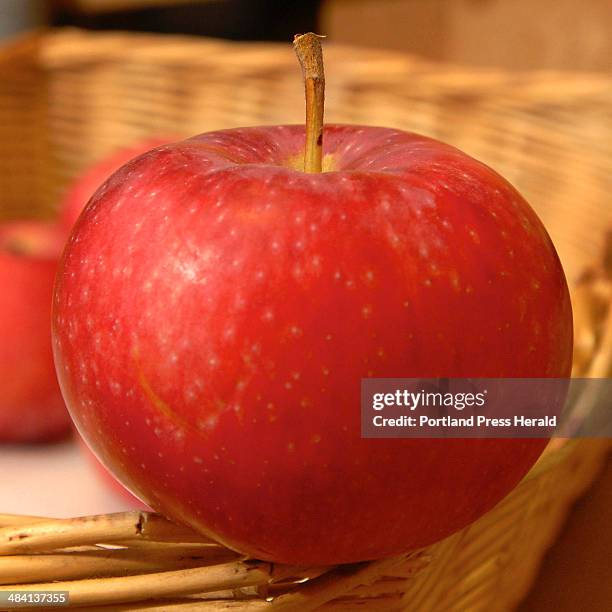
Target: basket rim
[69,47]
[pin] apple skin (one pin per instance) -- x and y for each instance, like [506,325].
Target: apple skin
[216,310]
[31,405]
[109,481]
[85,186]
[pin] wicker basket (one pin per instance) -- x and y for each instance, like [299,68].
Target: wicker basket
[68,98]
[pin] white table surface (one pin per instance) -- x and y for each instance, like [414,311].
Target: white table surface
[54,480]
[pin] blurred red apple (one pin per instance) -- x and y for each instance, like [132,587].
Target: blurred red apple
[31,406]
[217,308]
[84,186]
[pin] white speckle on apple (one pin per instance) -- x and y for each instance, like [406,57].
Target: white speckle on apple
[393,238]
[366,311]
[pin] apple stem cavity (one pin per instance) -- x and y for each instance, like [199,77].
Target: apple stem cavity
[310,54]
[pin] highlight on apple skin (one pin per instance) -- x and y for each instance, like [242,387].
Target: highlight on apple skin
[216,309]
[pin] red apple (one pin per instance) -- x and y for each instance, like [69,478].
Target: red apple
[109,481]
[84,187]
[31,405]
[217,308]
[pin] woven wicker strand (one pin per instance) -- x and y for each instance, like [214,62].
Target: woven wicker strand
[68,98]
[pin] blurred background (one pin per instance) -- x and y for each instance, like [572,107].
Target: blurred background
[516,34]
[511,35]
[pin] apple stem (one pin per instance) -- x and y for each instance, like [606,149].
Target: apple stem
[308,50]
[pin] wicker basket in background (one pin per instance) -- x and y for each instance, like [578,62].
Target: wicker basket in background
[68,98]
